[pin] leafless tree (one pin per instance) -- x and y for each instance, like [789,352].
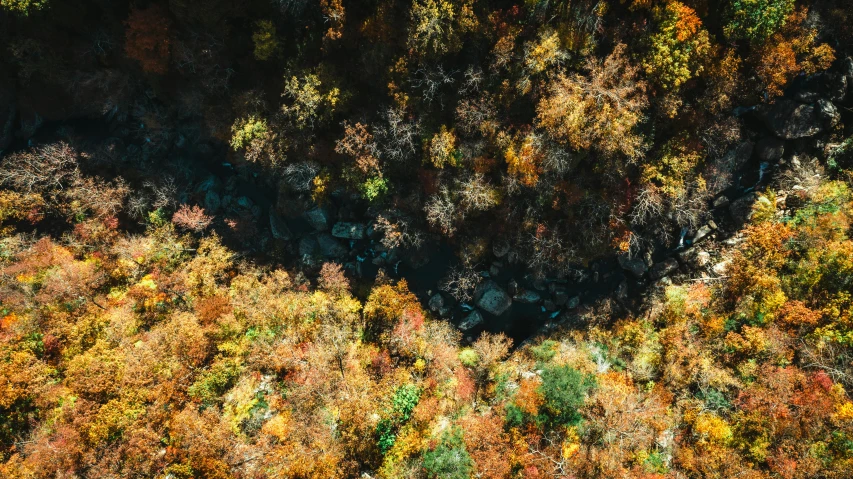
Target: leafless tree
[398,231]
[45,167]
[460,283]
[430,80]
[441,211]
[398,137]
[299,176]
[476,194]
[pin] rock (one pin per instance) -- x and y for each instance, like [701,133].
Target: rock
[622,291]
[528,297]
[491,298]
[308,246]
[790,120]
[212,202]
[573,302]
[664,268]
[436,302]
[278,228]
[209,183]
[473,319]
[741,208]
[636,266]
[417,259]
[721,202]
[561,297]
[318,218]
[330,247]
[8,109]
[512,286]
[500,247]
[721,268]
[828,112]
[836,85]
[549,305]
[735,158]
[694,258]
[378,261]
[702,234]
[770,148]
[703,259]
[345,230]
[245,202]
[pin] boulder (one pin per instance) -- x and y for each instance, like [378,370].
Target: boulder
[436,302]
[330,247]
[702,234]
[279,228]
[471,321]
[345,230]
[7,115]
[308,246]
[561,297]
[528,297]
[703,258]
[318,218]
[573,302]
[741,208]
[721,268]
[836,85]
[622,291]
[770,148]
[636,266]
[500,247]
[212,201]
[828,112]
[790,120]
[664,268]
[491,298]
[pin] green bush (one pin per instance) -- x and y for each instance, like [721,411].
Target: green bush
[757,20]
[449,459]
[563,389]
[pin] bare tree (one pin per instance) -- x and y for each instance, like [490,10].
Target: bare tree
[460,283]
[45,167]
[442,212]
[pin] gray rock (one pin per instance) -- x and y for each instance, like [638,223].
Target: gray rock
[491,298]
[209,183]
[636,266]
[573,302]
[348,230]
[721,201]
[836,86]
[736,158]
[8,109]
[828,112]
[549,305]
[721,268]
[471,321]
[770,148]
[703,259]
[308,246]
[561,297]
[500,247]
[702,234]
[622,291]
[318,218]
[279,228]
[528,297]
[245,202]
[741,208]
[212,202]
[436,302]
[664,268]
[790,120]
[330,247]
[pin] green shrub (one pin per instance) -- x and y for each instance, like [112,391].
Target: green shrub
[756,20]
[563,389]
[449,459]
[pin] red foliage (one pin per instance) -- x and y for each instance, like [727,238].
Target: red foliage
[147,39]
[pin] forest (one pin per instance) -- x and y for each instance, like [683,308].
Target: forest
[422,239]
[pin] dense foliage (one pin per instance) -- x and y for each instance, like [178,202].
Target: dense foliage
[183,186]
